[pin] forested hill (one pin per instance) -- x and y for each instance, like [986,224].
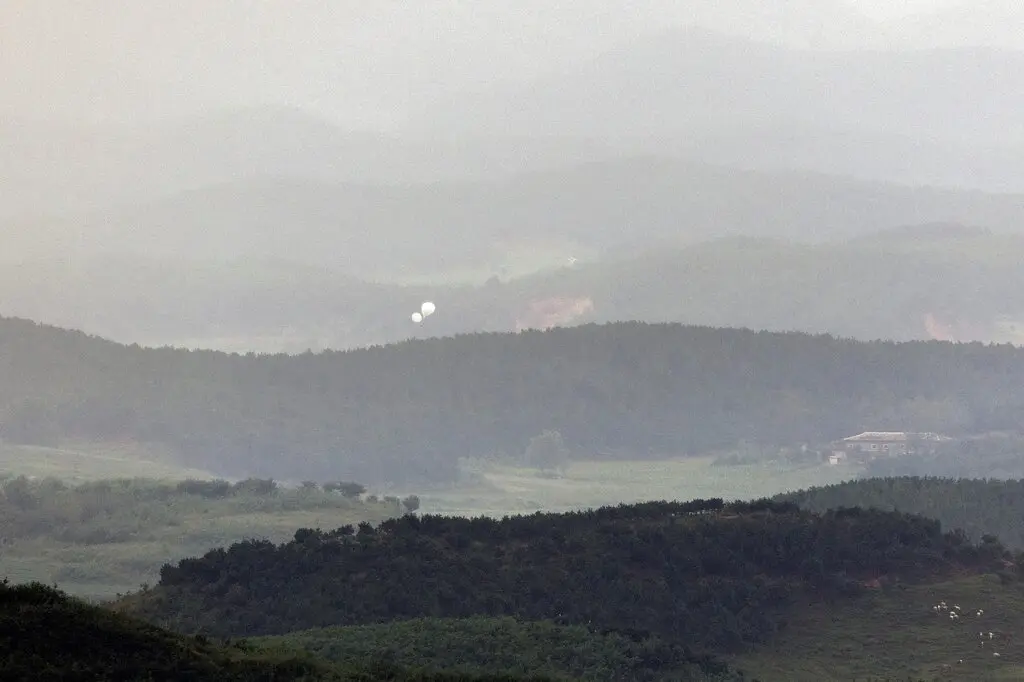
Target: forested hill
[46,635]
[716,577]
[406,412]
[977,507]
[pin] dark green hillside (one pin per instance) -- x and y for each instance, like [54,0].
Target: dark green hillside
[716,577]
[977,507]
[45,635]
[407,412]
[481,645]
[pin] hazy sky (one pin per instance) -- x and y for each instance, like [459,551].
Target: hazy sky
[888,9]
[366,63]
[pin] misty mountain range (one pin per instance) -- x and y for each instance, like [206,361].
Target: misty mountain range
[929,282]
[268,222]
[678,82]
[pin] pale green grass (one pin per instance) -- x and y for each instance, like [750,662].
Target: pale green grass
[896,635]
[509,490]
[101,571]
[80,462]
[510,260]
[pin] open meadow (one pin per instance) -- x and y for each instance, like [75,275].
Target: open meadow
[102,537]
[134,534]
[497,490]
[76,462]
[897,635]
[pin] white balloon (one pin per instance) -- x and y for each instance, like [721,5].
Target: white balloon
[427,308]
[417,318]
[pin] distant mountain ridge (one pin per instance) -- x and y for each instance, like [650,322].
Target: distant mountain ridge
[433,227]
[681,81]
[935,280]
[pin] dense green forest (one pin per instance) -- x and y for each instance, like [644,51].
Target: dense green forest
[716,577]
[977,507]
[407,412]
[481,645]
[46,635]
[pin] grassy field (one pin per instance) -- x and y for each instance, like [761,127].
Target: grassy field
[898,636]
[77,462]
[95,543]
[499,490]
[100,571]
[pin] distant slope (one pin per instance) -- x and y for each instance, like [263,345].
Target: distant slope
[46,635]
[978,507]
[378,230]
[895,634]
[684,83]
[926,281]
[262,306]
[877,155]
[408,412]
[53,170]
[715,577]
[883,285]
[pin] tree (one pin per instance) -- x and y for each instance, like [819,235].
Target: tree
[411,503]
[547,452]
[346,488]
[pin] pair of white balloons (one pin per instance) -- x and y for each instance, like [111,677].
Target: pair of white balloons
[426,310]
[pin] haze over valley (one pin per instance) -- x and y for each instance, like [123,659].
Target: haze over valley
[466,341]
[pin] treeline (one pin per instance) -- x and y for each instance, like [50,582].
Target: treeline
[714,576]
[408,412]
[46,635]
[977,507]
[124,510]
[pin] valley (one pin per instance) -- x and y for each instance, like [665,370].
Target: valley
[512,342]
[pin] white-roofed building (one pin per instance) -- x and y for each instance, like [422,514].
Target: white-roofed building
[892,443]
